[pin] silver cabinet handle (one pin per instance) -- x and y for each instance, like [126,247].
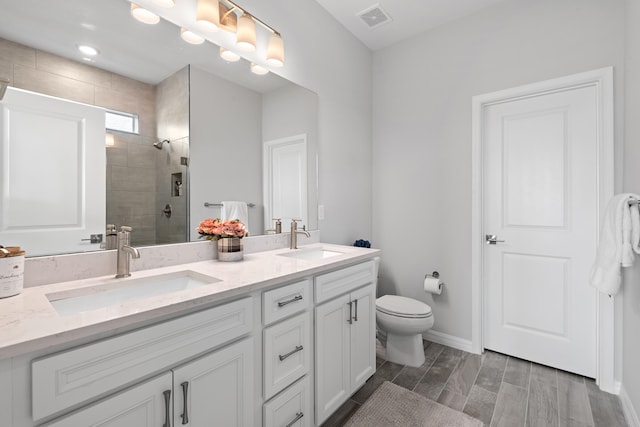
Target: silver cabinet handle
[294,299]
[295,420]
[355,318]
[185,392]
[295,350]
[167,399]
[491,239]
[350,321]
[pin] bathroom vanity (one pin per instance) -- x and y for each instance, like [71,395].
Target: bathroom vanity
[282,338]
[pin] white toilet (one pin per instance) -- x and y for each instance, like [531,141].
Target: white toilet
[403,320]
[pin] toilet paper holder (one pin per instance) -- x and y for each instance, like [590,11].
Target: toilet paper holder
[435,275]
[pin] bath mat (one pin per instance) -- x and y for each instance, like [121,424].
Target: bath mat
[394,406]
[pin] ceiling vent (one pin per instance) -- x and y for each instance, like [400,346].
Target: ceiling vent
[374,16]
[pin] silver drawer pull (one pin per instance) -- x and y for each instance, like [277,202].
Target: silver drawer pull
[295,420]
[294,299]
[167,414]
[295,350]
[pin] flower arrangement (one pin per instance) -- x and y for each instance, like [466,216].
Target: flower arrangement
[215,229]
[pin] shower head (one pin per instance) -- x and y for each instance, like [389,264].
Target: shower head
[158,144]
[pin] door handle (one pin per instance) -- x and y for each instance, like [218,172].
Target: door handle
[355,318]
[491,239]
[167,413]
[350,320]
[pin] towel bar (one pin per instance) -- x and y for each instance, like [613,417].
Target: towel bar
[208,205]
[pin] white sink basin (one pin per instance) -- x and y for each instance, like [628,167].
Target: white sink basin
[118,291]
[310,253]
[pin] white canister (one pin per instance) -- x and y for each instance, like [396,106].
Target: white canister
[11,271]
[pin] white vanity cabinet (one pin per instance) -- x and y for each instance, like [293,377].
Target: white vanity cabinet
[345,335]
[218,387]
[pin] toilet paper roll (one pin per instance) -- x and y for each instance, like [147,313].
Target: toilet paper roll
[433,285]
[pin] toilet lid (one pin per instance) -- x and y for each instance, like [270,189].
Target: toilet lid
[402,306]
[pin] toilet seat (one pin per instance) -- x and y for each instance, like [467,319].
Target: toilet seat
[395,305]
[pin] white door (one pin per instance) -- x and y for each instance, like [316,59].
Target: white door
[216,389]
[285,180]
[52,173]
[540,196]
[144,405]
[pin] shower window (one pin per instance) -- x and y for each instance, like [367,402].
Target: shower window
[121,121]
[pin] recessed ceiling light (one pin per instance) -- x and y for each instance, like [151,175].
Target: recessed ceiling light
[85,59]
[228,55]
[190,37]
[88,50]
[143,15]
[258,69]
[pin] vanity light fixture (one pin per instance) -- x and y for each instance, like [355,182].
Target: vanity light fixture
[275,50]
[109,140]
[190,37]
[258,69]
[208,15]
[165,3]
[228,55]
[246,33]
[143,15]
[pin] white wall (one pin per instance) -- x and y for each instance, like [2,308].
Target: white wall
[225,128]
[324,57]
[422,90]
[290,111]
[631,276]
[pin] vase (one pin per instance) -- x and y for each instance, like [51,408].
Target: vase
[230,249]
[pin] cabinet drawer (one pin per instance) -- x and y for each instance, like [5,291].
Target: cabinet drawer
[285,301]
[291,408]
[345,280]
[287,353]
[77,375]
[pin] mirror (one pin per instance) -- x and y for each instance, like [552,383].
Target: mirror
[147,70]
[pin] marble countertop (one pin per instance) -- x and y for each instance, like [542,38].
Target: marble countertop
[28,322]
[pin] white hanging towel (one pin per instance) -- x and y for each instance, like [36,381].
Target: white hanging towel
[619,238]
[235,210]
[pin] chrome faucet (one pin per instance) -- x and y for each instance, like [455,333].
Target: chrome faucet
[124,251]
[294,233]
[278,227]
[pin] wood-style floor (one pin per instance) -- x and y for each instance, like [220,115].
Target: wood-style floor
[497,389]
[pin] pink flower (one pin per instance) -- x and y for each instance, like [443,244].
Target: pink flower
[215,229]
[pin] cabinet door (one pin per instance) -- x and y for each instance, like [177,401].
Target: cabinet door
[363,336]
[142,406]
[332,356]
[216,389]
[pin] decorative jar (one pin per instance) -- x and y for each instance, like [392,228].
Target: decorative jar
[230,249]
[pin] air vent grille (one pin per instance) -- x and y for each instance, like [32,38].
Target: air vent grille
[374,16]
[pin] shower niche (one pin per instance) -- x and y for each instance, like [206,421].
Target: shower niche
[177,184]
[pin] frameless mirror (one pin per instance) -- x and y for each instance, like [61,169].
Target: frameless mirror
[204,125]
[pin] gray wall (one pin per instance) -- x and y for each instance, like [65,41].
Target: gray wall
[226,150]
[291,111]
[422,91]
[324,57]
[631,277]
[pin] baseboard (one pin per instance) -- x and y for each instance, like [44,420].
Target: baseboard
[448,340]
[628,409]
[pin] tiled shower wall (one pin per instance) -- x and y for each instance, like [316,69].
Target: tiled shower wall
[133,161]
